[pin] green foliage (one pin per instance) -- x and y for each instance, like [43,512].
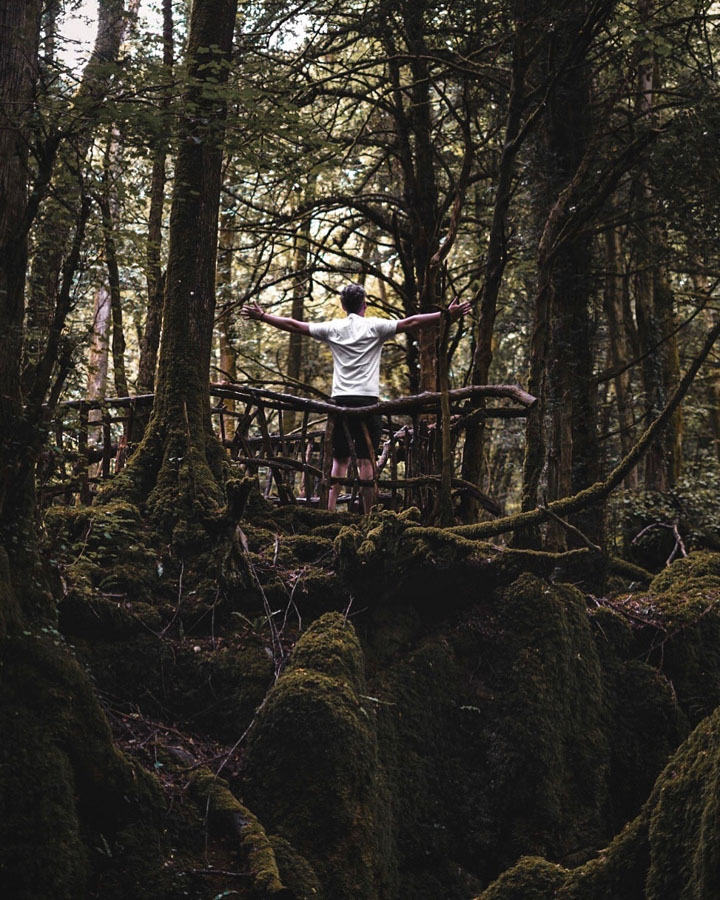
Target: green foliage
[691,506]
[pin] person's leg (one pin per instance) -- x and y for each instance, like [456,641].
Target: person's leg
[339,470]
[365,471]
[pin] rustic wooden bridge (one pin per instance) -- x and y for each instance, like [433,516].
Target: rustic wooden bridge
[286,441]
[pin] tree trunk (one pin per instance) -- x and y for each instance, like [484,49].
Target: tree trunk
[153,267]
[561,353]
[302,286]
[58,765]
[424,211]
[110,209]
[472,462]
[52,236]
[621,342]
[98,358]
[20,27]
[417,240]
[226,331]
[654,301]
[178,471]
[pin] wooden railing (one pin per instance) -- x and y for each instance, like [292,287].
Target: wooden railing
[294,464]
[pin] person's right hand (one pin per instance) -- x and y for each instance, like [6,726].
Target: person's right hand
[457,309]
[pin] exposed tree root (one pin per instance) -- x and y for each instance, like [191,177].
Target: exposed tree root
[230,812]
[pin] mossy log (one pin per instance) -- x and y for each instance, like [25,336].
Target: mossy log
[256,848]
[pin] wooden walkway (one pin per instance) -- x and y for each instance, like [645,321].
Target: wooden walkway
[285,441]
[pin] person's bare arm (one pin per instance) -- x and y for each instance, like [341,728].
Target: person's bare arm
[423,320]
[284,323]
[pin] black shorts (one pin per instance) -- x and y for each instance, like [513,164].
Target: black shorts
[341,448]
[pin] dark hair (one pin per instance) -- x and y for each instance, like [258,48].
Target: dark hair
[352,297]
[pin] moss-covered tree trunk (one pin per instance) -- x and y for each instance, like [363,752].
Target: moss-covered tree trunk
[623,341]
[153,268]
[177,473]
[472,462]
[654,298]
[56,224]
[561,352]
[64,788]
[19,25]
[302,288]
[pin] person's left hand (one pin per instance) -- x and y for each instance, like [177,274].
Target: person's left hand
[252,311]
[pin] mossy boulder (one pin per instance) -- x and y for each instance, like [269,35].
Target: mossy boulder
[76,813]
[546,727]
[106,548]
[682,638]
[214,691]
[645,723]
[670,850]
[312,774]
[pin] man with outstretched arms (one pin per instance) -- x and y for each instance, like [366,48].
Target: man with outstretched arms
[356,346]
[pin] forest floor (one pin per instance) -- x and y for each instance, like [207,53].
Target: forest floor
[189,670]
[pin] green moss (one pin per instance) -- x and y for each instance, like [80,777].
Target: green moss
[305,519]
[670,850]
[108,547]
[377,552]
[687,571]
[74,809]
[644,724]
[312,768]
[213,691]
[43,853]
[295,871]
[683,636]
[684,820]
[257,850]
[310,548]
[531,879]
[547,732]
[430,757]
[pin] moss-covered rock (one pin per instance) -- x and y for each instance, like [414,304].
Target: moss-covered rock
[644,723]
[76,812]
[312,773]
[213,691]
[109,549]
[670,850]
[532,878]
[547,729]
[682,638]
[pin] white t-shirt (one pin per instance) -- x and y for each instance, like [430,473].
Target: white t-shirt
[356,345]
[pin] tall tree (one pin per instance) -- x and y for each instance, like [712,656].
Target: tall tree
[53,235]
[654,301]
[20,24]
[178,471]
[525,45]
[58,764]
[561,353]
[154,275]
